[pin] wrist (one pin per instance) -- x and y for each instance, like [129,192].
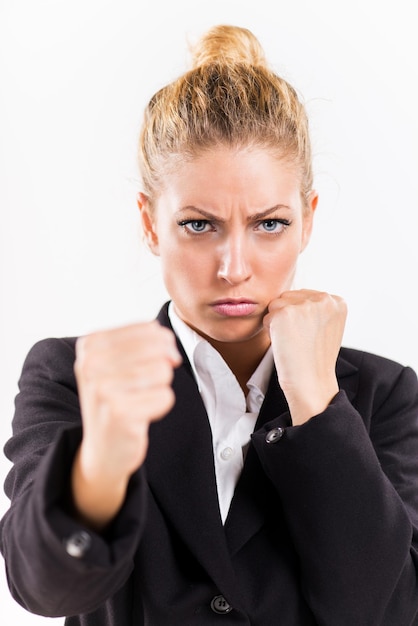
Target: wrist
[304,406]
[96,497]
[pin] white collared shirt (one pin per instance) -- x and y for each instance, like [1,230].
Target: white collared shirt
[232,417]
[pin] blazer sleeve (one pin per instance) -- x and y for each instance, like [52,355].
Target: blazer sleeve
[348,483]
[38,531]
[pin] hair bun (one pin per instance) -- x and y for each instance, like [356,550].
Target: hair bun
[228,44]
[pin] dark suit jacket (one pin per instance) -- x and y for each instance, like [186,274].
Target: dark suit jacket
[322,528]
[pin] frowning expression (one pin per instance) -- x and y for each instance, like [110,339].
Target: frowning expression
[229,227]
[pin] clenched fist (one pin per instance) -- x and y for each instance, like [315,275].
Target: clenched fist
[124,382]
[306,329]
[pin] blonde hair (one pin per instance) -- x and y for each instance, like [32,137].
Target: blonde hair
[229,97]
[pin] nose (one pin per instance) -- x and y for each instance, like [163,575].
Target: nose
[234,263]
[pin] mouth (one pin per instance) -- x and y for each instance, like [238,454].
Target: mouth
[234,307]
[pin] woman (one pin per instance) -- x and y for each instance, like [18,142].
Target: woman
[229,462]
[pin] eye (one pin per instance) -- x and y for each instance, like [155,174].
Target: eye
[274,226]
[196,226]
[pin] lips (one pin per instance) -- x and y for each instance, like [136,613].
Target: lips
[234,307]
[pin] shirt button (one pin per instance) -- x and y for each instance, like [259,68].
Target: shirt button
[220,605]
[274,435]
[78,544]
[227,453]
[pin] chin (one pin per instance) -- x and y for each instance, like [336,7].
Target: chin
[232,332]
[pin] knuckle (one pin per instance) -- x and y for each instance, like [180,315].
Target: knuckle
[85,366]
[166,372]
[102,392]
[168,397]
[158,403]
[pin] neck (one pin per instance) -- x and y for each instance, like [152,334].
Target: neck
[243,357]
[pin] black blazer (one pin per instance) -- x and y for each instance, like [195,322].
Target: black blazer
[322,528]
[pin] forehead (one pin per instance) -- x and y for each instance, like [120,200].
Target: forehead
[222,174]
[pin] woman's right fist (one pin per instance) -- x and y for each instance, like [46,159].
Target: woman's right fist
[124,381]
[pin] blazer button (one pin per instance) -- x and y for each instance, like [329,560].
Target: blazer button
[220,605]
[274,435]
[78,544]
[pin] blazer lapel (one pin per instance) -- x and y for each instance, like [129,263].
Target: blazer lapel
[181,475]
[253,494]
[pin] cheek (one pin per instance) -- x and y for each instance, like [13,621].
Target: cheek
[280,258]
[277,269]
[179,267]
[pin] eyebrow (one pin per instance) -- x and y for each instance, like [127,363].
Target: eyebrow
[250,218]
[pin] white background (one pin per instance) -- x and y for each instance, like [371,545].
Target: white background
[74,78]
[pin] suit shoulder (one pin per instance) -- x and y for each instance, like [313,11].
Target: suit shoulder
[360,358]
[53,357]
[54,345]
[375,367]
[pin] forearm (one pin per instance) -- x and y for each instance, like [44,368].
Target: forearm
[348,523]
[43,576]
[96,498]
[306,400]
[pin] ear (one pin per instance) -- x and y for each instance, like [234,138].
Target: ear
[148,223]
[308,216]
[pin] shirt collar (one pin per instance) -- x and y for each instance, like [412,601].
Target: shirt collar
[190,339]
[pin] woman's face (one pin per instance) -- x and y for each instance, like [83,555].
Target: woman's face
[229,227]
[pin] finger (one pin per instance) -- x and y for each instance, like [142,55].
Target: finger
[307,302]
[146,405]
[156,373]
[124,348]
[149,336]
